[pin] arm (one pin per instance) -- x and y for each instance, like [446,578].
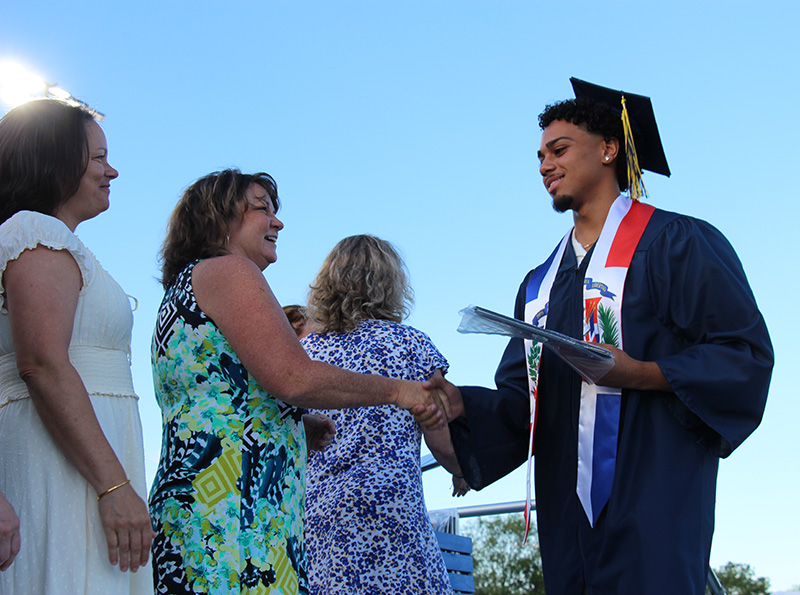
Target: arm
[634,374]
[716,356]
[441,447]
[438,441]
[42,288]
[489,427]
[9,533]
[254,323]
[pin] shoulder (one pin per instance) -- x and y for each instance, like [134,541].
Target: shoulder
[226,272]
[29,229]
[24,218]
[679,249]
[231,286]
[389,329]
[666,224]
[413,333]
[681,236]
[387,326]
[416,344]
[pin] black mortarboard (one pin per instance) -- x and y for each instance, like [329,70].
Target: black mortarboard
[649,150]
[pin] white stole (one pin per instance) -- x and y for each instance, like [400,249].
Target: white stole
[604,283]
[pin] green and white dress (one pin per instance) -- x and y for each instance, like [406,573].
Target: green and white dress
[227,499]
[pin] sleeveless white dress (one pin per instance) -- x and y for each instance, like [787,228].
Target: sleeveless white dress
[63,545]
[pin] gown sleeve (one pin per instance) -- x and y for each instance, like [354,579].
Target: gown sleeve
[492,440]
[700,292]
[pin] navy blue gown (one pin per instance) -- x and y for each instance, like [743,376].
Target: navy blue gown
[687,306]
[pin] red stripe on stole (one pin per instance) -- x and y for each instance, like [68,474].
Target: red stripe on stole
[628,235]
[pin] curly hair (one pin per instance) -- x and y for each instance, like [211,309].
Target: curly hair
[199,224]
[44,152]
[363,277]
[594,117]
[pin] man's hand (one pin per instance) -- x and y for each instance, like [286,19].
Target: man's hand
[427,404]
[455,404]
[633,373]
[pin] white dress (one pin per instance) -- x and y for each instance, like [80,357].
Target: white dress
[63,545]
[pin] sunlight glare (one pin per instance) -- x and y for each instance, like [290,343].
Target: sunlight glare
[18,85]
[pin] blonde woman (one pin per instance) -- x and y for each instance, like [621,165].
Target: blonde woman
[367,528]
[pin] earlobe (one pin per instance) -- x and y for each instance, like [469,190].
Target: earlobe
[611,150]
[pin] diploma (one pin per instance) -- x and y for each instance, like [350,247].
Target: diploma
[589,360]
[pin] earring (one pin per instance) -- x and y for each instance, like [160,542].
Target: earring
[606,157]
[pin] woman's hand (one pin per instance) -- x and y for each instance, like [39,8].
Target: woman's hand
[320,431]
[9,533]
[428,405]
[126,523]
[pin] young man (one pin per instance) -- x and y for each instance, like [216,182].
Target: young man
[625,470]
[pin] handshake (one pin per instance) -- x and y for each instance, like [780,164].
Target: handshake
[434,403]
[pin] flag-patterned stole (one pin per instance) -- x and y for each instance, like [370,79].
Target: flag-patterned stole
[604,283]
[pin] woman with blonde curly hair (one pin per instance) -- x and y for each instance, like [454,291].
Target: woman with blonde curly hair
[367,528]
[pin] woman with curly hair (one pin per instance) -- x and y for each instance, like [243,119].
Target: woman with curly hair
[366,523]
[232,382]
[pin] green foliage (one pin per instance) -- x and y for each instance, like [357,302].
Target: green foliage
[739,579]
[533,360]
[503,566]
[608,325]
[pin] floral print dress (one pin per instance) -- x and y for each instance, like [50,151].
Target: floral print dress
[367,528]
[227,499]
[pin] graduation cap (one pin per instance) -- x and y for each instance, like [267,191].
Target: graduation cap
[643,148]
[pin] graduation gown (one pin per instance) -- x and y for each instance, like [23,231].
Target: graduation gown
[687,306]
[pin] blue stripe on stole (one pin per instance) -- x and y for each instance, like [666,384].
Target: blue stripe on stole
[606,428]
[535,282]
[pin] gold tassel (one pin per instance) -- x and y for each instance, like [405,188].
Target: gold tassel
[636,187]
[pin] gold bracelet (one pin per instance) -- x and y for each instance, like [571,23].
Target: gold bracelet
[111,489]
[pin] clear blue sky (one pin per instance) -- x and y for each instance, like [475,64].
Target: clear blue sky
[416,121]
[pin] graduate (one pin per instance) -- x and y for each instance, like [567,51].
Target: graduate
[625,469]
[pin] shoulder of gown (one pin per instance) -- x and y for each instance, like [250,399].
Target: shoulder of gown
[708,336]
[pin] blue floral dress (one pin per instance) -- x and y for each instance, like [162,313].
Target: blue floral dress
[367,528]
[227,499]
